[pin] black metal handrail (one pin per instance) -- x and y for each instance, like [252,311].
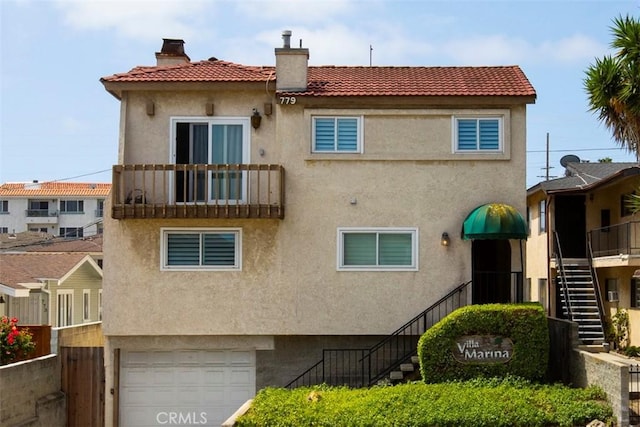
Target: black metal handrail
[616,239]
[563,277]
[596,283]
[364,367]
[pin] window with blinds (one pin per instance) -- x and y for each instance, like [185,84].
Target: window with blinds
[336,135]
[207,249]
[377,249]
[478,134]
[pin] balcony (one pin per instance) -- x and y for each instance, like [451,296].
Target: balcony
[41,213]
[198,191]
[620,239]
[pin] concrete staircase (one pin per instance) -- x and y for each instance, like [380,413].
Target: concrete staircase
[579,302]
[407,372]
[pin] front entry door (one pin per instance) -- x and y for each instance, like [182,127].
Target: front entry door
[491,271]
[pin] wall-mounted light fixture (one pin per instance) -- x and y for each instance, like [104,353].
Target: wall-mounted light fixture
[256,118]
[208,108]
[151,108]
[444,239]
[2,301]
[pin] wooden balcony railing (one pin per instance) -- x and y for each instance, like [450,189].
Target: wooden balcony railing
[197,191]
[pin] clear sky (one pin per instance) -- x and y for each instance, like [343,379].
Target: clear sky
[58,123]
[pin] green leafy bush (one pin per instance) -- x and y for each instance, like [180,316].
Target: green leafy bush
[494,402]
[15,343]
[524,324]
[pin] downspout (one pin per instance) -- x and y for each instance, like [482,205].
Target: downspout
[549,251]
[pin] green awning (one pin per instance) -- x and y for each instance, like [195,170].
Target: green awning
[494,221]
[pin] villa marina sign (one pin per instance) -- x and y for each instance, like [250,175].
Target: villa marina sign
[482,349]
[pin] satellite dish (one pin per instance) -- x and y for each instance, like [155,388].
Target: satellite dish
[569,158]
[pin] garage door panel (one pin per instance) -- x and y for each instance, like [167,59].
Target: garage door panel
[209,384]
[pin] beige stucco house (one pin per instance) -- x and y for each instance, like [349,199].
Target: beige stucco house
[261,214]
[584,246]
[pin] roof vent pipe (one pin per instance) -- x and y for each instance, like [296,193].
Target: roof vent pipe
[286,37]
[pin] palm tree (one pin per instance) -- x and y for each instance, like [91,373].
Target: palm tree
[613,85]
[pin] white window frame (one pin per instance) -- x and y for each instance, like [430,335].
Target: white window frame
[378,230]
[79,232]
[454,125]
[166,231]
[542,216]
[245,122]
[86,305]
[4,207]
[79,205]
[100,304]
[65,304]
[360,138]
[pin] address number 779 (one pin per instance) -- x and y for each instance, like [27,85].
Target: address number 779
[287,100]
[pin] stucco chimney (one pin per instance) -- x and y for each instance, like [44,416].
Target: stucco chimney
[172,53]
[291,66]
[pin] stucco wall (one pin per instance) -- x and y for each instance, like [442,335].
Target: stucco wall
[289,283]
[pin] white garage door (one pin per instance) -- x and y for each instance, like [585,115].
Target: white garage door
[189,387]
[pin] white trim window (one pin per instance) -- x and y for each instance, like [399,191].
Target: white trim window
[542,221]
[336,134]
[4,206]
[217,141]
[201,249]
[378,248]
[478,134]
[86,305]
[71,206]
[64,308]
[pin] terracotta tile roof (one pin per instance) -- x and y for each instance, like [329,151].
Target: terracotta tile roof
[29,267]
[202,71]
[418,81]
[353,81]
[54,189]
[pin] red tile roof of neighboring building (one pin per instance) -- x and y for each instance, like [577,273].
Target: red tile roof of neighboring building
[352,80]
[59,189]
[30,267]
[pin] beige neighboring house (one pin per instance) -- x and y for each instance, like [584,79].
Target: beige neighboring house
[65,209]
[57,289]
[262,215]
[583,253]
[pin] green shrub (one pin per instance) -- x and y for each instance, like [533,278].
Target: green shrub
[494,402]
[525,324]
[632,351]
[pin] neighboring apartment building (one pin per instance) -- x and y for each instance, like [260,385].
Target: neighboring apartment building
[66,209]
[583,253]
[224,277]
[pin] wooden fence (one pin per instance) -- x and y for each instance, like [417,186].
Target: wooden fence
[83,383]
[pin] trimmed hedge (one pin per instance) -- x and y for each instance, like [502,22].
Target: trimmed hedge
[496,403]
[525,324]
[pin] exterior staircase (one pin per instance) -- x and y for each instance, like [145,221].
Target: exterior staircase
[580,302]
[580,296]
[394,359]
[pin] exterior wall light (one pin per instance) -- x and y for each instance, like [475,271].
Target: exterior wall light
[256,118]
[444,239]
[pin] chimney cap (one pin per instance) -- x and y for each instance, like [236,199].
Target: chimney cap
[172,47]
[286,37]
